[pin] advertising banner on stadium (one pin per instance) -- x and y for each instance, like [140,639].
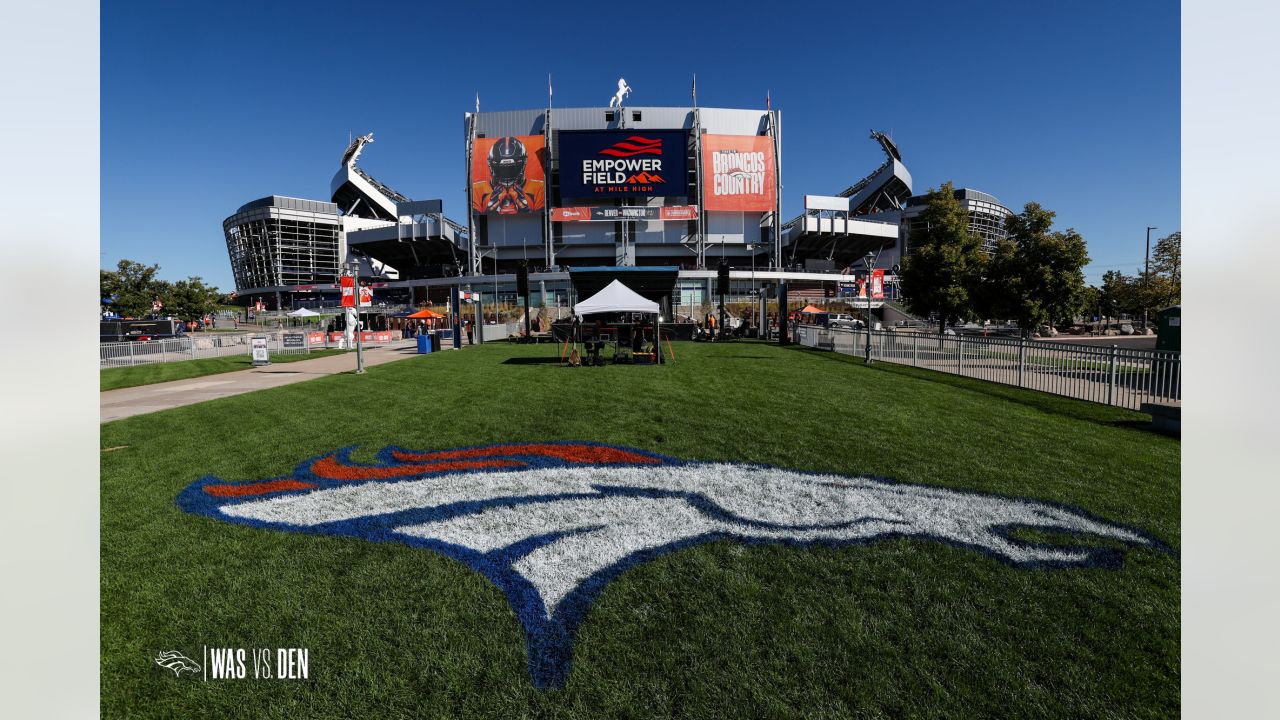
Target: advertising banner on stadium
[614,163]
[877,283]
[738,173]
[508,175]
[614,214]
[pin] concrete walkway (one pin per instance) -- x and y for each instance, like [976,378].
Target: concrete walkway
[127,402]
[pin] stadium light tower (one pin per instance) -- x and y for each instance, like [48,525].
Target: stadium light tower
[1146,277]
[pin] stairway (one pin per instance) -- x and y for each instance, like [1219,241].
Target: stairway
[893,313]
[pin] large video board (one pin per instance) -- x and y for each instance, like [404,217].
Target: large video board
[617,163]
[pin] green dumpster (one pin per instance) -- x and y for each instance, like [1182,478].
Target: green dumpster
[1169,329]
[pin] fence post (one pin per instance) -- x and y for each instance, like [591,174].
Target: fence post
[1022,360]
[915,349]
[959,354]
[1111,377]
[191,344]
[130,354]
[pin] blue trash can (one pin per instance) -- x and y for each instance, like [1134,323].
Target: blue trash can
[424,344]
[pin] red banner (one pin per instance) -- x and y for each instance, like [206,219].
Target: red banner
[877,283]
[738,173]
[679,212]
[348,285]
[508,175]
[366,296]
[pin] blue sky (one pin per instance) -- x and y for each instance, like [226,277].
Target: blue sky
[207,106]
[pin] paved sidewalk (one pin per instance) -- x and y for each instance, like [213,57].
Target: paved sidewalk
[127,402]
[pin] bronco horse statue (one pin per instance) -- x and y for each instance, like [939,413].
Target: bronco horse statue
[623,91]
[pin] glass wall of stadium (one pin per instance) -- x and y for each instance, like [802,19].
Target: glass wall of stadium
[282,241]
[986,217]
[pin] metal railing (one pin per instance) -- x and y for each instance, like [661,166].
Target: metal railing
[1108,375]
[196,347]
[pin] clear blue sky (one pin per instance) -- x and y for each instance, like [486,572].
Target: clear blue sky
[207,106]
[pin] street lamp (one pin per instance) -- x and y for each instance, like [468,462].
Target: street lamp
[353,267]
[870,260]
[751,250]
[1146,278]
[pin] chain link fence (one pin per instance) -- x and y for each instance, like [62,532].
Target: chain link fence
[1108,375]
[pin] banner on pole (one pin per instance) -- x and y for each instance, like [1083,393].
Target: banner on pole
[348,285]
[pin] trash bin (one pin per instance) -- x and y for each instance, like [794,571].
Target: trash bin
[437,340]
[424,344]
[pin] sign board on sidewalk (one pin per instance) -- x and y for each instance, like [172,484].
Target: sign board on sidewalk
[294,341]
[259,348]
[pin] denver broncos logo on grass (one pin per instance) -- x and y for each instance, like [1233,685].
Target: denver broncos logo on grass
[552,523]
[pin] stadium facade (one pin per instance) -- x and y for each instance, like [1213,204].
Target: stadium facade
[557,189]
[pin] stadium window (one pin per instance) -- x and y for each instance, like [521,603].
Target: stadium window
[635,115]
[608,116]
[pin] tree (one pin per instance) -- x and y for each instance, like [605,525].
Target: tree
[1042,278]
[1116,294]
[132,287]
[1091,302]
[945,260]
[1164,284]
[191,298]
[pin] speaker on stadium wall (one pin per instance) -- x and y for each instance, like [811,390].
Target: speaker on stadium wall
[522,279]
[722,278]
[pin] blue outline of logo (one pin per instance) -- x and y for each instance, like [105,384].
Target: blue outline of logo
[549,642]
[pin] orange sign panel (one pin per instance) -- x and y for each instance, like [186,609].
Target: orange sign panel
[738,173]
[508,175]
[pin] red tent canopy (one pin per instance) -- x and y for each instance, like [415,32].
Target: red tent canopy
[812,309]
[426,313]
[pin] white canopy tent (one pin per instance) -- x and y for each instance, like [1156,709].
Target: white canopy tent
[617,297]
[303,312]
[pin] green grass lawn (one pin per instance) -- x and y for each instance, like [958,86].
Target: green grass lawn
[116,378]
[895,628]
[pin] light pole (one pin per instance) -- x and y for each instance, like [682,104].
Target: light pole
[751,249]
[353,267]
[870,260]
[1146,278]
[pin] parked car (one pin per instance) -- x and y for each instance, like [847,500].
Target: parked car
[843,320]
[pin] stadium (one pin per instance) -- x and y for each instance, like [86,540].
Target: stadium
[965,527]
[675,190]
